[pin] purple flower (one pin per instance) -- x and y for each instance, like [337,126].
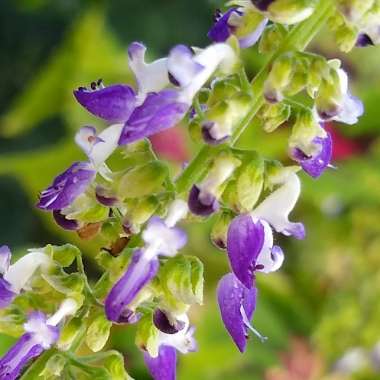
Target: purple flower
[364,40]
[245,240]
[201,203]
[237,305]
[113,104]
[159,111]
[66,224]
[5,258]
[67,187]
[6,293]
[207,134]
[316,164]
[228,23]
[39,337]
[139,273]
[163,367]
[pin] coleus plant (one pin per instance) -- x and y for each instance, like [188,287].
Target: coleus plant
[136,207]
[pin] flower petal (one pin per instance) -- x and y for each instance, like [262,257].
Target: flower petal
[5,258]
[163,367]
[62,221]
[245,240]
[113,103]
[250,39]
[232,295]
[67,187]
[6,293]
[13,362]
[181,66]
[139,273]
[275,208]
[150,77]
[202,206]
[165,240]
[221,30]
[162,322]
[159,111]
[351,110]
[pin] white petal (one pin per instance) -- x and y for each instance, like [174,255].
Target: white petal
[177,211]
[150,77]
[107,143]
[217,56]
[275,209]
[86,138]
[67,308]
[22,271]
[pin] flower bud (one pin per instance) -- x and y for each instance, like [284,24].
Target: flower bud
[274,115]
[54,367]
[220,228]
[182,278]
[272,38]
[139,214]
[70,332]
[142,180]
[203,198]
[304,131]
[250,180]
[116,367]
[63,254]
[86,209]
[222,89]
[98,333]
[330,96]
[223,117]
[286,11]
[278,78]
[147,335]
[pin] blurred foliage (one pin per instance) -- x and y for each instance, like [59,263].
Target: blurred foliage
[329,289]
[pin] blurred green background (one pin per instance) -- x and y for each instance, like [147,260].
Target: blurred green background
[325,301]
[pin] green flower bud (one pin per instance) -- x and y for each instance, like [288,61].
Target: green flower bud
[116,367]
[329,97]
[220,228]
[181,277]
[278,78]
[147,335]
[64,255]
[195,131]
[111,229]
[142,180]
[87,209]
[299,78]
[318,68]
[275,173]
[221,170]
[230,196]
[222,89]
[274,115]
[54,367]
[290,11]
[250,180]
[272,38]
[98,333]
[304,131]
[140,213]
[67,284]
[70,332]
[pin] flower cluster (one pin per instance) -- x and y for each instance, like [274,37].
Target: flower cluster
[135,205]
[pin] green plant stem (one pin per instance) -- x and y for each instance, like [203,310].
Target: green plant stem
[297,39]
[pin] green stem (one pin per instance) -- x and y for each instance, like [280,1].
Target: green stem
[297,40]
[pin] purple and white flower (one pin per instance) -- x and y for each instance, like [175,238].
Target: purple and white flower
[237,305]
[237,21]
[203,197]
[161,238]
[189,72]
[250,237]
[41,333]
[316,163]
[163,366]
[349,108]
[369,36]
[16,277]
